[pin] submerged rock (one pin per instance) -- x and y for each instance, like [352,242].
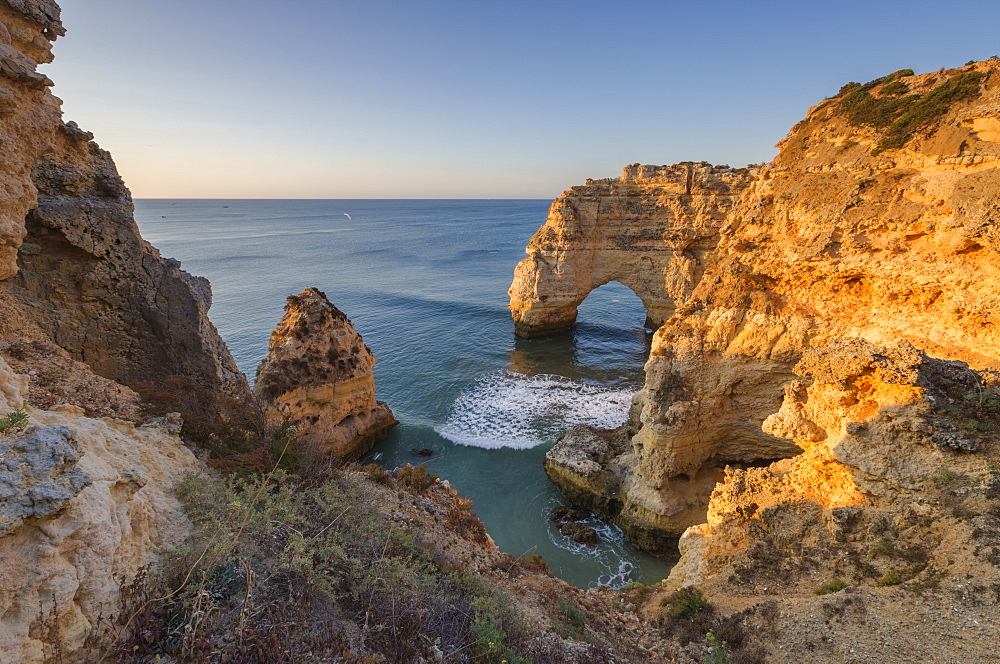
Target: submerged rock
[579,533]
[568,513]
[318,377]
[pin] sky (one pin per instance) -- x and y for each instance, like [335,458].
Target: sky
[469,99]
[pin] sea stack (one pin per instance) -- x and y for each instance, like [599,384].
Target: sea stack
[318,376]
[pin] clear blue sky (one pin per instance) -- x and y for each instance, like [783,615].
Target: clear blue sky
[467,99]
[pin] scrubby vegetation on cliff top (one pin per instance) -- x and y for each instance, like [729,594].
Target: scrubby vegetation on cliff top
[297,559]
[884,105]
[285,571]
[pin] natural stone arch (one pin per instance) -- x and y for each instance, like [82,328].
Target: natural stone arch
[652,230]
[620,302]
[554,306]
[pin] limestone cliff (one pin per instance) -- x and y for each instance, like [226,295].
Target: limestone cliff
[897,486]
[876,221]
[85,305]
[318,377]
[73,267]
[653,229]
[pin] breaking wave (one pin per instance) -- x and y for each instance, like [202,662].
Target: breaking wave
[513,410]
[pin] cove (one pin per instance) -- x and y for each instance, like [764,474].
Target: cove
[425,284]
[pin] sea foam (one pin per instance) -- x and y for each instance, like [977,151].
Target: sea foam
[514,410]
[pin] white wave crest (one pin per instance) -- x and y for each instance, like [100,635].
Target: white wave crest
[618,569]
[518,411]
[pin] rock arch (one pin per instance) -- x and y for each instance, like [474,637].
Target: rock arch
[652,230]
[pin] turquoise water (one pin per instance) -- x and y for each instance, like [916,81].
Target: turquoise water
[425,282]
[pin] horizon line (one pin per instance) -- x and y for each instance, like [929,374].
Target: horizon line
[203,198]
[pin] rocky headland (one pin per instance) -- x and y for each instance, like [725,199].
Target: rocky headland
[842,319]
[819,416]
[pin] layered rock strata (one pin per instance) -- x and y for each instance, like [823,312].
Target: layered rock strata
[857,229]
[897,486]
[86,504]
[318,377]
[653,229]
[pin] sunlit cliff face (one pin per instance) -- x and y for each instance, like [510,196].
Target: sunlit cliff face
[29,115]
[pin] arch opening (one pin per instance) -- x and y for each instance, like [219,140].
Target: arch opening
[613,305]
[611,333]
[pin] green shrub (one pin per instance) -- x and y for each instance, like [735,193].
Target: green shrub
[415,478]
[980,426]
[717,651]
[883,547]
[16,420]
[573,615]
[832,587]
[686,601]
[890,578]
[377,473]
[895,88]
[946,476]
[280,565]
[536,560]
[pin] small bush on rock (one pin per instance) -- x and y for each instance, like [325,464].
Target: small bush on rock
[685,601]
[16,420]
[832,587]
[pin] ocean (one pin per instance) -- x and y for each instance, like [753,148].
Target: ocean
[425,282]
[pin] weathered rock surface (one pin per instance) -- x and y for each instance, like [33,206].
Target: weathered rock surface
[73,267]
[55,378]
[591,467]
[653,229]
[875,500]
[39,475]
[85,504]
[579,532]
[828,241]
[318,376]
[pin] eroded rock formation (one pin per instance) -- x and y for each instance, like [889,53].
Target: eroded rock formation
[897,486]
[318,377]
[73,267]
[881,232]
[653,229]
[85,504]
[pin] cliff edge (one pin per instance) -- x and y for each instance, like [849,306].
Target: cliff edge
[86,307]
[74,270]
[876,221]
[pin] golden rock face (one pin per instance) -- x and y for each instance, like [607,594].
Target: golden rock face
[74,269]
[64,567]
[318,376]
[653,229]
[828,241]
